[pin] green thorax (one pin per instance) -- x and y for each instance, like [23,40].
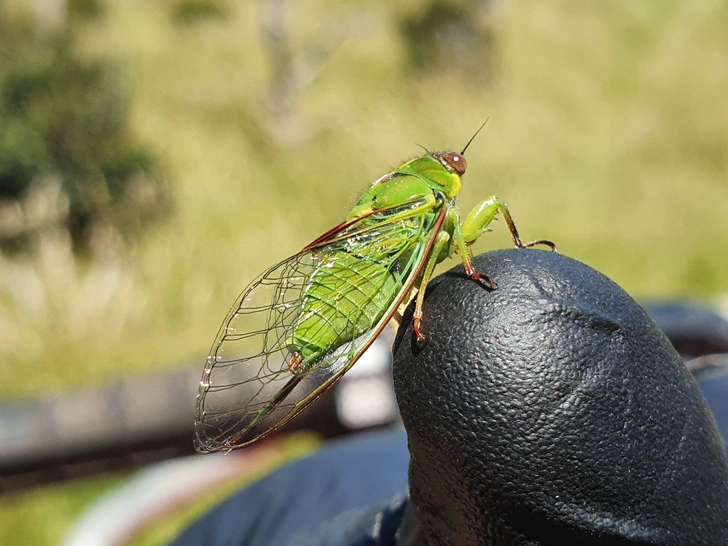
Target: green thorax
[415,179]
[430,170]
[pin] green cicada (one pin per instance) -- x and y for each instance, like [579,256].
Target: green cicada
[303,323]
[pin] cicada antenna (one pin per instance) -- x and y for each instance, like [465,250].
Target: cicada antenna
[473,137]
[421,146]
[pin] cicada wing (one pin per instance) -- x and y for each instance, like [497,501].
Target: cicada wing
[251,383]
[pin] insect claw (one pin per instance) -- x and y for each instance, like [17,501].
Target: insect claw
[487,281]
[483,279]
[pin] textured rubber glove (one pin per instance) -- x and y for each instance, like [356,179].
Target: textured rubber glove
[552,411]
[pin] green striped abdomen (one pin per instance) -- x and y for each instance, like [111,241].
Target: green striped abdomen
[346,297]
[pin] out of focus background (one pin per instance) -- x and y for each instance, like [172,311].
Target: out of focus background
[155,156]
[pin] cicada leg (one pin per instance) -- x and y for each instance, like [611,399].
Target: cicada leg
[483,214]
[463,235]
[461,243]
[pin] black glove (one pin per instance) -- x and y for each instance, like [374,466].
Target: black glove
[552,411]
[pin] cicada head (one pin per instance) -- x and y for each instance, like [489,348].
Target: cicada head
[441,170]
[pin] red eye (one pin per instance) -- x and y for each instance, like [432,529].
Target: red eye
[456,161]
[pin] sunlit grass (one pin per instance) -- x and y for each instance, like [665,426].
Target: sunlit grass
[608,134]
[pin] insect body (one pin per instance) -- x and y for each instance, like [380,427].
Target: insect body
[303,323]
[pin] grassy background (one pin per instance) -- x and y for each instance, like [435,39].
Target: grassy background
[608,134]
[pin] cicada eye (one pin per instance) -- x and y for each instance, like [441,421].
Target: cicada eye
[456,161]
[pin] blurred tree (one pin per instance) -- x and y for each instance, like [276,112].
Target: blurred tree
[456,35]
[295,65]
[64,135]
[293,69]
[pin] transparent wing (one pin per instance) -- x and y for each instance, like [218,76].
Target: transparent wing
[251,383]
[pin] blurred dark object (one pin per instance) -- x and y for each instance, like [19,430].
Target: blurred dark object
[142,420]
[147,419]
[124,425]
[127,425]
[692,330]
[67,155]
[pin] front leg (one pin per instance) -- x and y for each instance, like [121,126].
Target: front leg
[441,250]
[483,214]
[461,243]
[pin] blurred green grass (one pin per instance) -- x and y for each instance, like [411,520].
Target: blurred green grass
[43,515]
[608,134]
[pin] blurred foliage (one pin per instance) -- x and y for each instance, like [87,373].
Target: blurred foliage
[193,11]
[454,35]
[84,10]
[64,119]
[607,134]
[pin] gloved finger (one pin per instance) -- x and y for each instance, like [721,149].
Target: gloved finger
[553,411]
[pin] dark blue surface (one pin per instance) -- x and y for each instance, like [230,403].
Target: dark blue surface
[715,390]
[350,493]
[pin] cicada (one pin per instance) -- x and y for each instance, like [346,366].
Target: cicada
[304,322]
